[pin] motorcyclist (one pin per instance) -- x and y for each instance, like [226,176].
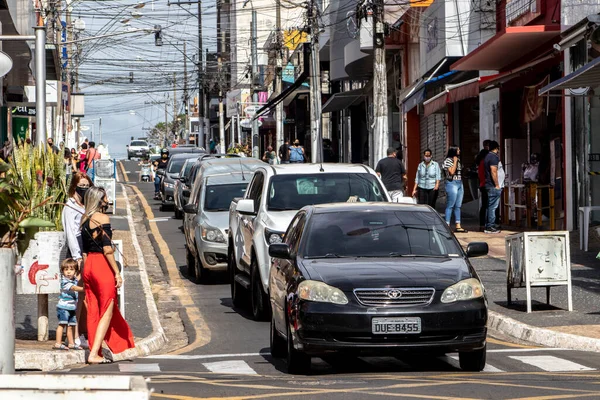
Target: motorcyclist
[162,164]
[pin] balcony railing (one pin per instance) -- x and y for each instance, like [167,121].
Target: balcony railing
[517,9]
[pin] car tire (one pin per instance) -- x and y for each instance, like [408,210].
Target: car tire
[200,273]
[473,361]
[297,361]
[259,299]
[237,291]
[278,345]
[190,260]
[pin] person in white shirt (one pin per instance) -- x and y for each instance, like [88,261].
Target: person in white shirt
[71,221]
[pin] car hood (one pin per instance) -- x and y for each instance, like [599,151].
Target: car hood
[218,219]
[351,273]
[172,176]
[279,220]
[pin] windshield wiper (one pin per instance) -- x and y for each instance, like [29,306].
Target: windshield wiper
[328,255]
[283,209]
[393,254]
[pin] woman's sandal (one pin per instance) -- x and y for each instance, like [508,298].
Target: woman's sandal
[461,230]
[75,347]
[103,361]
[59,347]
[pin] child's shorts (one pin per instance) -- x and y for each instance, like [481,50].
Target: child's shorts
[66,317]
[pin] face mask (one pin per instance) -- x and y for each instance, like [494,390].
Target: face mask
[81,192]
[427,159]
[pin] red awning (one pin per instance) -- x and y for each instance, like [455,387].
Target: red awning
[491,81]
[436,103]
[451,94]
[507,47]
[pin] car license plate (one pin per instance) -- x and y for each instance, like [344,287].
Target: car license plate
[385,326]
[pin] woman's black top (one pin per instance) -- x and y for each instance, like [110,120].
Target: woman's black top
[94,239]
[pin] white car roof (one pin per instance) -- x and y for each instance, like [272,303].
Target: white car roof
[289,169]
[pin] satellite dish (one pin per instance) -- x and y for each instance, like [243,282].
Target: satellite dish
[579,91]
[6,64]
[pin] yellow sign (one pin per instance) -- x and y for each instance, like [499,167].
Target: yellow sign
[420,3]
[291,39]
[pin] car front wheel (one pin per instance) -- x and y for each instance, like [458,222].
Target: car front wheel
[236,288]
[260,300]
[201,273]
[278,345]
[190,263]
[297,361]
[473,361]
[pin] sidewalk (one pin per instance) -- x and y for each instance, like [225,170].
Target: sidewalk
[140,308]
[548,325]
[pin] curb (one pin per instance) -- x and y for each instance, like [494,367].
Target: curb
[540,336]
[49,360]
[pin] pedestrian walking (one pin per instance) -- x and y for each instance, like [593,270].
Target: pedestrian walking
[454,187]
[71,222]
[427,181]
[90,156]
[270,156]
[67,305]
[284,152]
[297,153]
[483,203]
[392,174]
[102,278]
[51,146]
[492,167]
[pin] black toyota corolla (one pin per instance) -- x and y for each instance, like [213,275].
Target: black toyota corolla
[375,279]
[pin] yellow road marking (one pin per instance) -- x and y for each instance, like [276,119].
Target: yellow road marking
[202,332]
[559,396]
[123,172]
[508,344]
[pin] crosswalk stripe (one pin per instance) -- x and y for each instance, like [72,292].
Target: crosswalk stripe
[230,367]
[132,368]
[551,363]
[488,367]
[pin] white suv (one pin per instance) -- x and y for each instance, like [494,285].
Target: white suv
[274,196]
[138,148]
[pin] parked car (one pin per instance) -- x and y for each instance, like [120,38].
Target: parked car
[274,196]
[170,174]
[186,148]
[137,148]
[375,279]
[206,219]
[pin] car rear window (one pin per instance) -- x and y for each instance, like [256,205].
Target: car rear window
[138,143]
[219,197]
[292,192]
[378,234]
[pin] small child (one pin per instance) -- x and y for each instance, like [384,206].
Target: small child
[67,304]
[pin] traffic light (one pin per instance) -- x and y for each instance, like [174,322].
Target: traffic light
[158,35]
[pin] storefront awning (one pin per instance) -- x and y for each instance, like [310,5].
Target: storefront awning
[281,97]
[343,100]
[507,47]
[492,81]
[452,94]
[586,76]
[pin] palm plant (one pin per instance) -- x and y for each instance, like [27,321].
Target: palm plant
[32,192]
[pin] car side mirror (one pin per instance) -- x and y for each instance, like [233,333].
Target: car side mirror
[246,207]
[477,249]
[182,179]
[189,209]
[280,250]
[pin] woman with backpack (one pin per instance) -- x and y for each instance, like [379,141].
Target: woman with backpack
[296,153]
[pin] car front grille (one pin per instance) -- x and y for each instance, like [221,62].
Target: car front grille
[394,297]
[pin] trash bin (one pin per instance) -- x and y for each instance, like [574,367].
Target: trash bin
[538,259]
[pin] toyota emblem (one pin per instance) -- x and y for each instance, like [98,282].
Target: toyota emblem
[394,294]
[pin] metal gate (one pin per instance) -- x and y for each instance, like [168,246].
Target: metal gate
[433,137]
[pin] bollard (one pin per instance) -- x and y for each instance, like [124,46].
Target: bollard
[7,311]
[42,326]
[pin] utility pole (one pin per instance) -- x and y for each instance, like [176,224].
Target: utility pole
[200,138]
[221,117]
[100,128]
[174,104]
[164,141]
[255,153]
[316,149]
[185,95]
[278,78]
[380,107]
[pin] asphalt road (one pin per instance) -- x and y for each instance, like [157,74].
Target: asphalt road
[235,362]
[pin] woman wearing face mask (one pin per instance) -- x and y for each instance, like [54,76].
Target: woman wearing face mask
[71,221]
[427,181]
[101,277]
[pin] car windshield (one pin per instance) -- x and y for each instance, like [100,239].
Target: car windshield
[292,192]
[188,169]
[219,197]
[139,143]
[176,164]
[379,234]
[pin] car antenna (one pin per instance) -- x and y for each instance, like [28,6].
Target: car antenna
[242,168]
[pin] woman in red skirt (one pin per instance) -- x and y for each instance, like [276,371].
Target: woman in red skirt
[101,277]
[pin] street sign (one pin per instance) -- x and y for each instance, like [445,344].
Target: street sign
[251,110]
[247,123]
[6,64]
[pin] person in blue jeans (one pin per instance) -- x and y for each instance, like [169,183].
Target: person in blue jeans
[454,187]
[492,186]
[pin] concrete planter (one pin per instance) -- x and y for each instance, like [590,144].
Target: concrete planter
[7,311]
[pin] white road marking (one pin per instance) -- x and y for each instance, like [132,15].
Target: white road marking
[205,356]
[526,350]
[160,219]
[488,368]
[132,368]
[551,363]
[230,367]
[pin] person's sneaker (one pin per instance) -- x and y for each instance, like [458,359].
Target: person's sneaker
[491,230]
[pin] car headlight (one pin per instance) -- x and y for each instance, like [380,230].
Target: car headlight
[467,289]
[273,237]
[321,292]
[211,234]
[169,185]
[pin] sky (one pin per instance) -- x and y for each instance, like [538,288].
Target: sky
[130,108]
